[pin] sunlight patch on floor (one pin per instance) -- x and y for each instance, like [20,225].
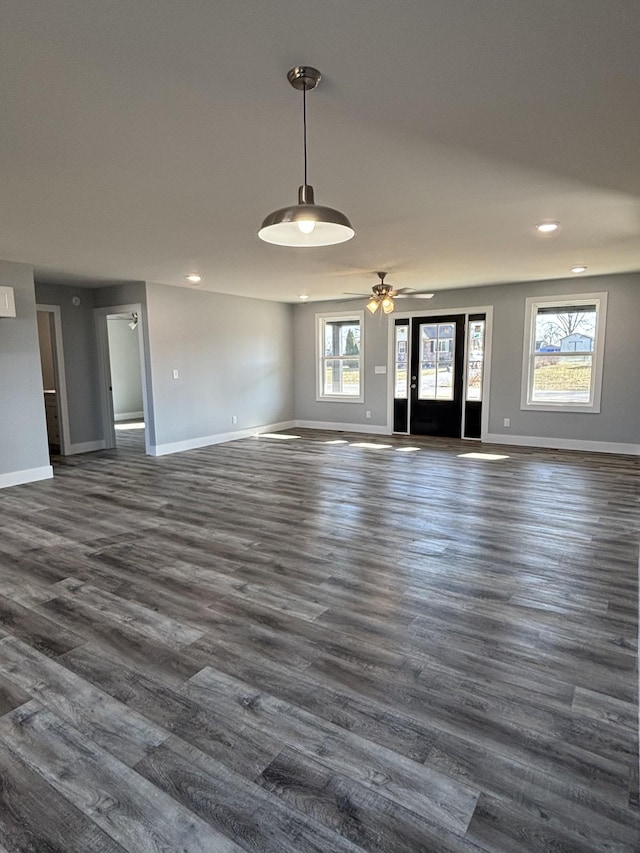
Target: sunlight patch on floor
[488,457]
[136,425]
[370,445]
[277,435]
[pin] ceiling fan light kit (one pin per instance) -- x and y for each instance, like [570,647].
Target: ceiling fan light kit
[305,223]
[384,295]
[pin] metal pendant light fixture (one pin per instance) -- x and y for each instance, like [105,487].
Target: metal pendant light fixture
[305,223]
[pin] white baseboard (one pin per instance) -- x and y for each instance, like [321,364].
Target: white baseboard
[218,438]
[128,416]
[371,429]
[85,447]
[564,444]
[28,475]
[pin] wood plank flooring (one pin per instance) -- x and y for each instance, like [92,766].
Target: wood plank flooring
[285,646]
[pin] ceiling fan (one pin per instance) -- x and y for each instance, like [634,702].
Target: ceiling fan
[384,294]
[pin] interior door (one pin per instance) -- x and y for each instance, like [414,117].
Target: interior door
[437,374]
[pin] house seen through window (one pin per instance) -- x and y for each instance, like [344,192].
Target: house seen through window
[564,353]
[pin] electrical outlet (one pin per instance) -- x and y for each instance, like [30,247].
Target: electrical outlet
[367,414]
[507,422]
[234,419]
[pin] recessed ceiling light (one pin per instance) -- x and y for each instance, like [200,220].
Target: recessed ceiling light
[303,297]
[578,268]
[194,278]
[547,227]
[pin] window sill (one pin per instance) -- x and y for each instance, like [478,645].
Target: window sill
[559,407]
[337,399]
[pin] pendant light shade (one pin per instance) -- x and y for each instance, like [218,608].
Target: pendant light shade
[305,223]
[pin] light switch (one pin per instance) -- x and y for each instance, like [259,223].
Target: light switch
[7,302]
[381,368]
[176,373]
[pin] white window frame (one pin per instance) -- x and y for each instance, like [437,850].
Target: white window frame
[321,320]
[531,311]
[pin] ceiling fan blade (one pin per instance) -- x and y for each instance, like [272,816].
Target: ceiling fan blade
[415,295]
[351,293]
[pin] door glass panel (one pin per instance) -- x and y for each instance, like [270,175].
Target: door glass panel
[437,353]
[475,360]
[401,365]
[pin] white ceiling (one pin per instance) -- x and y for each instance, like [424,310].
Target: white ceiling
[147,139]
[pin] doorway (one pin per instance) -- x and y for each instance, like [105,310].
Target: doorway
[439,374]
[54,385]
[120,339]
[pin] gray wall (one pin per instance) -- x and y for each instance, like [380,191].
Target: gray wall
[80,360]
[374,343]
[120,294]
[80,353]
[618,420]
[234,357]
[124,360]
[23,429]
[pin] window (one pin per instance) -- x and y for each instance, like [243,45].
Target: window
[475,359]
[563,353]
[401,383]
[340,357]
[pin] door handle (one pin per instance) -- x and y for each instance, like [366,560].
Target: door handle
[413,386]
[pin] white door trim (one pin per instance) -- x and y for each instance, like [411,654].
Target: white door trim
[104,368]
[61,379]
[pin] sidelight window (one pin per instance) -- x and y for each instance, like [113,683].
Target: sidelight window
[401,347]
[475,359]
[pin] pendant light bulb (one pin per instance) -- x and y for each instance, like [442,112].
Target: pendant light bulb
[305,223]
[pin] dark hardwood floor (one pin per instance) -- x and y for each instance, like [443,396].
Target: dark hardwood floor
[296,645]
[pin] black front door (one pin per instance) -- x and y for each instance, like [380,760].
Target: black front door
[436,376]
